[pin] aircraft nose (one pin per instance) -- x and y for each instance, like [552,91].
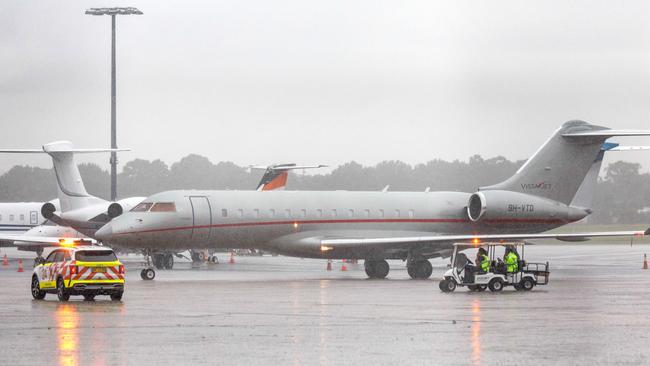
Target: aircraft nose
[105,232]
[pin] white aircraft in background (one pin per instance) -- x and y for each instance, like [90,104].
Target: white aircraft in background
[76,213]
[19,217]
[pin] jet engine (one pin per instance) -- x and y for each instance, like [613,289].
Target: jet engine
[114,210]
[47,210]
[497,205]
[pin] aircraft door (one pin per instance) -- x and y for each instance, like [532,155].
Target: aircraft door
[202,219]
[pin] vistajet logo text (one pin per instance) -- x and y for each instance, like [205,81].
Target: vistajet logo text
[541,185]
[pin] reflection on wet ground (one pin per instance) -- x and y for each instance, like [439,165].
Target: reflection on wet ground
[276,310]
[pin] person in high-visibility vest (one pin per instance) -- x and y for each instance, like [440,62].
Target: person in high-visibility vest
[512,260]
[483,260]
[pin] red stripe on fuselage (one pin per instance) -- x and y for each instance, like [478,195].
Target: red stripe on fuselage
[360,221]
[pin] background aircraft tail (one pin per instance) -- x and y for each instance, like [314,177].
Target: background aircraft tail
[71,190]
[557,170]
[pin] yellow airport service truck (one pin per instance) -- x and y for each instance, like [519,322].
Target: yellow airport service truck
[79,270]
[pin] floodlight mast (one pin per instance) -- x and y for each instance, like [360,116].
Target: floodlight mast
[113,12]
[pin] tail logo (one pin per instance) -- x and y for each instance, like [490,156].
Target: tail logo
[544,186]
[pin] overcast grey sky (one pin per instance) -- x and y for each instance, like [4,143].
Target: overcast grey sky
[322,81]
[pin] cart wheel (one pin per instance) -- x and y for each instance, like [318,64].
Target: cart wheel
[518,286]
[496,285]
[527,284]
[472,287]
[450,285]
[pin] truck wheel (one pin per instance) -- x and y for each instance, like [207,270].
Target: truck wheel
[61,292]
[496,285]
[89,297]
[37,294]
[527,284]
[117,296]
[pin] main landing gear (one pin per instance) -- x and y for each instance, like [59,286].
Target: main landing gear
[163,261]
[419,269]
[376,268]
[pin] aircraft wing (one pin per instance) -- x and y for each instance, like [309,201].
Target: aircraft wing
[44,241]
[406,241]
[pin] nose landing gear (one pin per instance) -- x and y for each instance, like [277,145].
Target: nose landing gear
[147,273]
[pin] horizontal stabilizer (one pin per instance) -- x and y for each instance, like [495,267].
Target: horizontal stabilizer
[629,148]
[45,241]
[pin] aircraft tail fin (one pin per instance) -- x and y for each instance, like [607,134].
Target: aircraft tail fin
[557,170]
[275,176]
[71,190]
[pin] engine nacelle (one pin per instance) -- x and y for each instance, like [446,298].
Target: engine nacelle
[497,205]
[114,210]
[47,210]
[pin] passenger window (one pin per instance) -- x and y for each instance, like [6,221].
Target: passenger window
[381,214]
[11,217]
[334,213]
[397,214]
[287,213]
[367,213]
[142,207]
[224,212]
[272,212]
[319,212]
[411,214]
[0,217]
[22,217]
[256,213]
[351,213]
[164,207]
[240,212]
[303,213]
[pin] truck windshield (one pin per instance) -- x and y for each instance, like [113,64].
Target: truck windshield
[95,256]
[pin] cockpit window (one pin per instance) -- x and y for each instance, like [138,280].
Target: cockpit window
[142,207]
[163,207]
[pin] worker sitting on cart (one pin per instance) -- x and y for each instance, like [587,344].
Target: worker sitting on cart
[512,260]
[482,260]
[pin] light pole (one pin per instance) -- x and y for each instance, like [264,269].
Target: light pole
[113,12]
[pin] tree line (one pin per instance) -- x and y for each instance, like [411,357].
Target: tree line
[621,195]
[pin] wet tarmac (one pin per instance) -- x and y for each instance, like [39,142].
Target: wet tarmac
[289,311]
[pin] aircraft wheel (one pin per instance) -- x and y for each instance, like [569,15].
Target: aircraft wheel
[381,269]
[496,285]
[370,266]
[148,274]
[37,294]
[411,271]
[158,261]
[527,284]
[89,297]
[421,269]
[61,292]
[168,261]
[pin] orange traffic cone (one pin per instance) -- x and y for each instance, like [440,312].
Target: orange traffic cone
[5,260]
[645,261]
[343,267]
[20,266]
[329,264]
[232,258]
